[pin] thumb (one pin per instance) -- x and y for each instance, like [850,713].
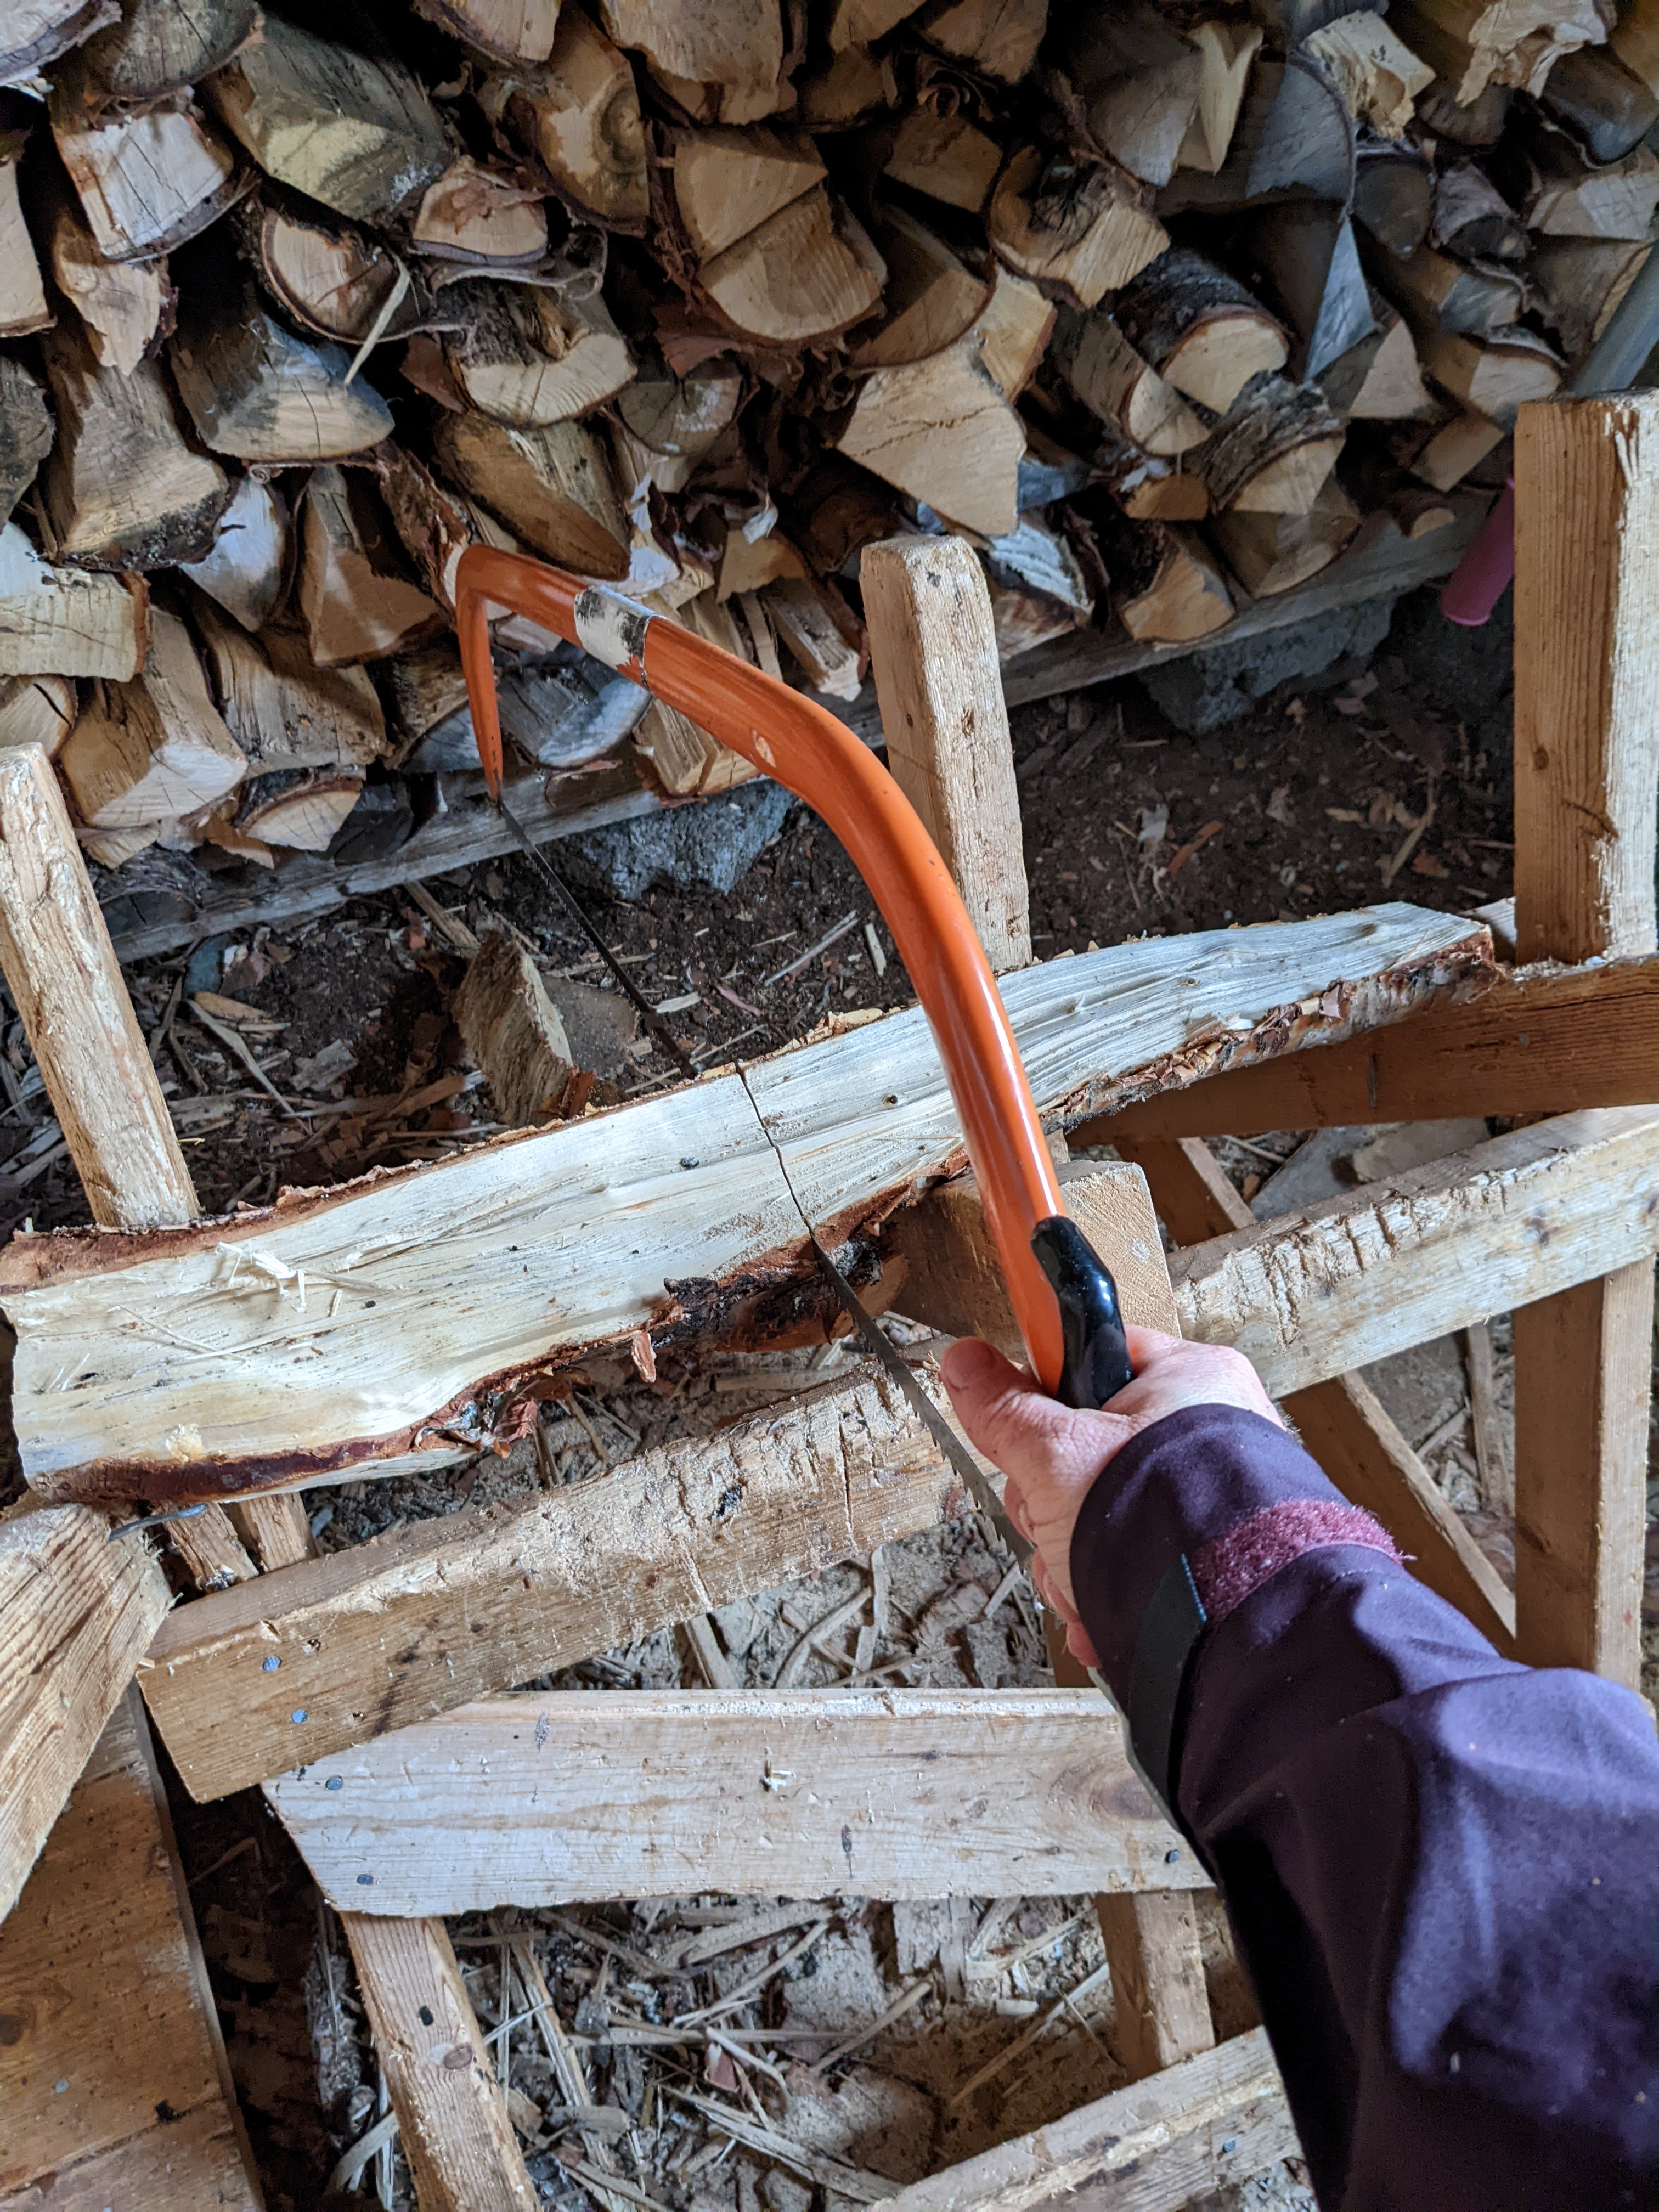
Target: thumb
[1012,1420]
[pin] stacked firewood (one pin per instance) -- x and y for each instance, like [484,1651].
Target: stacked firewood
[1160,304]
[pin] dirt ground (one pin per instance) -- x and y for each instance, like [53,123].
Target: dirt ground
[339,1053]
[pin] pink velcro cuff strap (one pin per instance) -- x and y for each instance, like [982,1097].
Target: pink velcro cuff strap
[1233,1566]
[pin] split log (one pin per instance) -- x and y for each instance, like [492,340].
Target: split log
[368,1383]
[1394,195]
[931,300]
[1448,294]
[146,181]
[512,1031]
[806,273]
[1446,456]
[256,391]
[1013,330]
[126,306]
[1507,1224]
[1273,553]
[998,37]
[733,44]
[26,432]
[1566,199]
[151,751]
[845,1469]
[1121,388]
[1199,329]
[1149,490]
[244,570]
[506,30]
[942,431]
[855,85]
[1139,80]
[329,277]
[384,143]
[581,117]
[669,423]
[903,1794]
[106,1988]
[934,654]
[1293,135]
[1169,591]
[37,710]
[1472,217]
[553,488]
[1600,104]
[282,709]
[123,490]
[682,758]
[1376,73]
[1274,450]
[23,304]
[453,2121]
[66,622]
[472,215]
[301,808]
[529,357]
[76,1613]
[36,31]
[1579,282]
[1477,122]
[1038,588]
[1227,51]
[1477,45]
[1378,380]
[162,46]
[1494,376]
[356,599]
[1310,271]
[861,23]
[727,183]
[946,157]
[808,619]
[1081,231]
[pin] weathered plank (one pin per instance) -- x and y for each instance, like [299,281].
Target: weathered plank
[1539,1040]
[415,1624]
[1586,783]
[1311,1295]
[802,1793]
[1154,2146]
[934,651]
[76,1613]
[113,2072]
[451,2115]
[1342,1422]
[433,1297]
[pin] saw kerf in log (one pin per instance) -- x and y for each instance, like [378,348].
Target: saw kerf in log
[427,1333]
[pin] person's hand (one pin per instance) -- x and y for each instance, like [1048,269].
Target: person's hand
[1051,1455]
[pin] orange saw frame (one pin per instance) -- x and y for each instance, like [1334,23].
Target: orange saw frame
[803,747]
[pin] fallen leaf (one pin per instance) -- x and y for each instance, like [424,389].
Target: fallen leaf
[1426,864]
[1279,808]
[1191,846]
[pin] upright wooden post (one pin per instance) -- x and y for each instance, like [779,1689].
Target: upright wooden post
[938,683]
[113,2078]
[66,985]
[451,2117]
[1586,779]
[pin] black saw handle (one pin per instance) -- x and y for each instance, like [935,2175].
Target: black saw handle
[1097,1363]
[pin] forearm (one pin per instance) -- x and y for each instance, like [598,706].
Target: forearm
[1440,1867]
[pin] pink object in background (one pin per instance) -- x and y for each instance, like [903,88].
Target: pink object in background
[1488,565]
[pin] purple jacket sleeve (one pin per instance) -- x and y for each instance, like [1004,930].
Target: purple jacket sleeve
[1442,1869]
